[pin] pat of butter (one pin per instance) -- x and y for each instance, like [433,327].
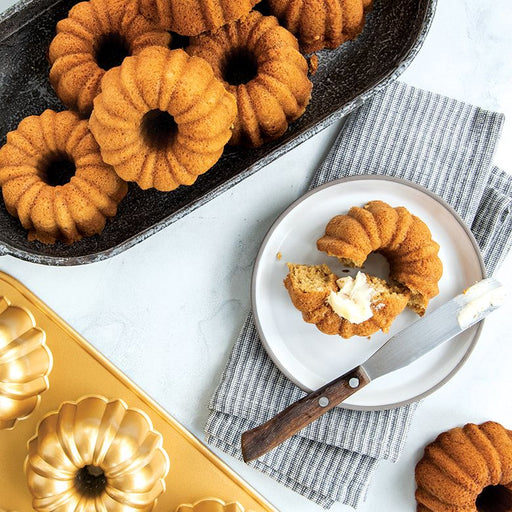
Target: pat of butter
[353,300]
[476,308]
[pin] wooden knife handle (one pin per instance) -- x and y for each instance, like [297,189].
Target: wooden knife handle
[296,416]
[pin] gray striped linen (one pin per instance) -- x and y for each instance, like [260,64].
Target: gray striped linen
[443,144]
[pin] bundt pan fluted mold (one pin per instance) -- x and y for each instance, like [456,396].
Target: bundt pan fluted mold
[211,505]
[25,362]
[96,454]
[346,77]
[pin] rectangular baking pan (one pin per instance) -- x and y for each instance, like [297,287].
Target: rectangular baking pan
[346,77]
[79,370]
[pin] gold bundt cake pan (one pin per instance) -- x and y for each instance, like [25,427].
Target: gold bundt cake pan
[95,453]
[78,371]
[211,505]
[25,362]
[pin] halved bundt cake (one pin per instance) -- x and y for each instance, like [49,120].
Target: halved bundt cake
[345,306]
[401,237]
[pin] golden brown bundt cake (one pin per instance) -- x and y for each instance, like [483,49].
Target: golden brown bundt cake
[316,292]
[96,455]
[54,180]
[192,17]
[96,36]
[467,469]
[259,62]
[162,118]
[401,237]
[321,24]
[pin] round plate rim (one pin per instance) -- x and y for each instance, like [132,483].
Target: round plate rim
[365,177]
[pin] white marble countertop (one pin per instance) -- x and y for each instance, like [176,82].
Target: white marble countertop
[167,311]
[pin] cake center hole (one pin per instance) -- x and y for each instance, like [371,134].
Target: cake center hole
[158,128]
[240,67]
[90,481]
[110,51]
[376,265]
[178,41]
[264,8]
[494,498]
[58,169]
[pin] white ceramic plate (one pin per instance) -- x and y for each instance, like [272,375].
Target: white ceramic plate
[310,358]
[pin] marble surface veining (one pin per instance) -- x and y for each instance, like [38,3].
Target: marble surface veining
[167,311]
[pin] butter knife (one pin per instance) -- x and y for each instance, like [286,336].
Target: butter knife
[422,336]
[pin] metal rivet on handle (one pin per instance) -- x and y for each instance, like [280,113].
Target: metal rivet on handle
[353,382]
[323,401]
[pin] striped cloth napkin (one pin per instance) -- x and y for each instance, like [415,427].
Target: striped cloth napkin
[443,144]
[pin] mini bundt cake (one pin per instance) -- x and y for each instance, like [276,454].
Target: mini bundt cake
[259,62]
[54,180]
[192,17]
[25,362]
[467,469]
[96,36]
[321,24]
[348,307]
[96,455]
[402,238]
[162,118]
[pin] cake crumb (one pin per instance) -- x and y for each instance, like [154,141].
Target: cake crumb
[279,256]
[312,64]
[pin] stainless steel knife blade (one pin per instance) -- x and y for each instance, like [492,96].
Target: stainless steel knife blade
[434,329]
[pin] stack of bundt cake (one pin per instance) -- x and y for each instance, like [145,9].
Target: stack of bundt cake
[159,117]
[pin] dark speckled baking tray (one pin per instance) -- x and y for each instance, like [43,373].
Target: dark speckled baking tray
[345,78]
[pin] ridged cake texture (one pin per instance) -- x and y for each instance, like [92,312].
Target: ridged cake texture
[96,455]
[277,90]
[461,464]
[94,37]
[192,17]
[30,172]
[162,118]
[323,23]
[404,239]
